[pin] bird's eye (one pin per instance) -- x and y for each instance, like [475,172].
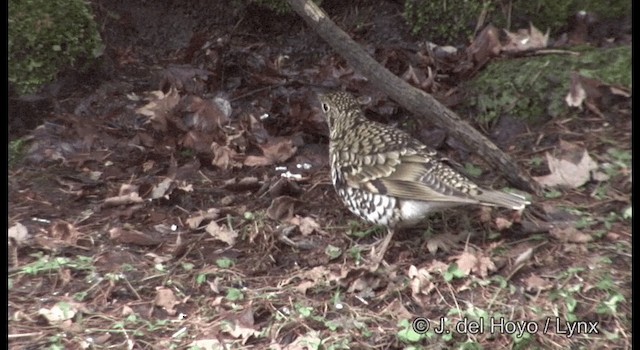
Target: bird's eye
[325,107]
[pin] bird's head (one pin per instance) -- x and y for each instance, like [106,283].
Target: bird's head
[340,108]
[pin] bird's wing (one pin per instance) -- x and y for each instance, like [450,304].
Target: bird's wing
[410,174]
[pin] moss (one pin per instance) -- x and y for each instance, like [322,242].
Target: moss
[46,37]
[447,21]
[534,88]
[17,150]
[444,20]
[554,14]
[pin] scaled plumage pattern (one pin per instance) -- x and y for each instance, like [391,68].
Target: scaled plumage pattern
[388,178]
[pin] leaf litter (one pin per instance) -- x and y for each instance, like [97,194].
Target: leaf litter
[199,154]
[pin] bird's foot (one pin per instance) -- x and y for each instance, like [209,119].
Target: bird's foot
[378,255]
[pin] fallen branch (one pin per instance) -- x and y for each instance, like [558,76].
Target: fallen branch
[414,100]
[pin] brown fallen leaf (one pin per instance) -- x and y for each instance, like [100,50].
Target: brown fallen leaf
[222,233]
[166,300]
[306,225]
[570,234]
[223,156]
[243,326]
[203,115]
[576,94]
[159,108]
[281,208]
[444,241]
[421,282]
[18,234]
[276,150]
[525,40]
[466,262]
[535,283]
[123,236]
[130,198]
[503,224]
[194,221]
[570,167]
[64,232]
[397,310]
[486,45]
[160,190]
[478,263]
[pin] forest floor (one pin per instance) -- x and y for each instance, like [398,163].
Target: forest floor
[179,197]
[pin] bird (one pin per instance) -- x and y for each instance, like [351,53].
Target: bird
[388,178]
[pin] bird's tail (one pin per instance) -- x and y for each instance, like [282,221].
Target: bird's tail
[502,199]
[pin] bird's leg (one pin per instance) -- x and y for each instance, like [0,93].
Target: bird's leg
[379,255]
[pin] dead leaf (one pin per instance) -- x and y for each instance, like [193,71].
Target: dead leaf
[64,232]
[397,310]
[571,167]
[535,283]
[485,266]
[576,94]
[130,198]
[281,208]
[443,241]
[222,233]
[243,326]
[486,45]
[525,40]
[60,312]
[414,76]
[248,183]
[276,150]
[161,189]
[306,225]
[203,115]
[18,234]
[223,156]
[523,257]
[127,311]
[421,282]
[466,262]
[503,224]
[570,234]
[194,221]
[478,263]
[303,286]
[159,108]
[437,266]
[166,300]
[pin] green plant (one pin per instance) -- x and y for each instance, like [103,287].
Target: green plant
[444,20]
[224,263]
[553,14]
[472,170]
[17,149]
[533,88]
[453,272]
[46,37]
[234,294]
[47,264]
